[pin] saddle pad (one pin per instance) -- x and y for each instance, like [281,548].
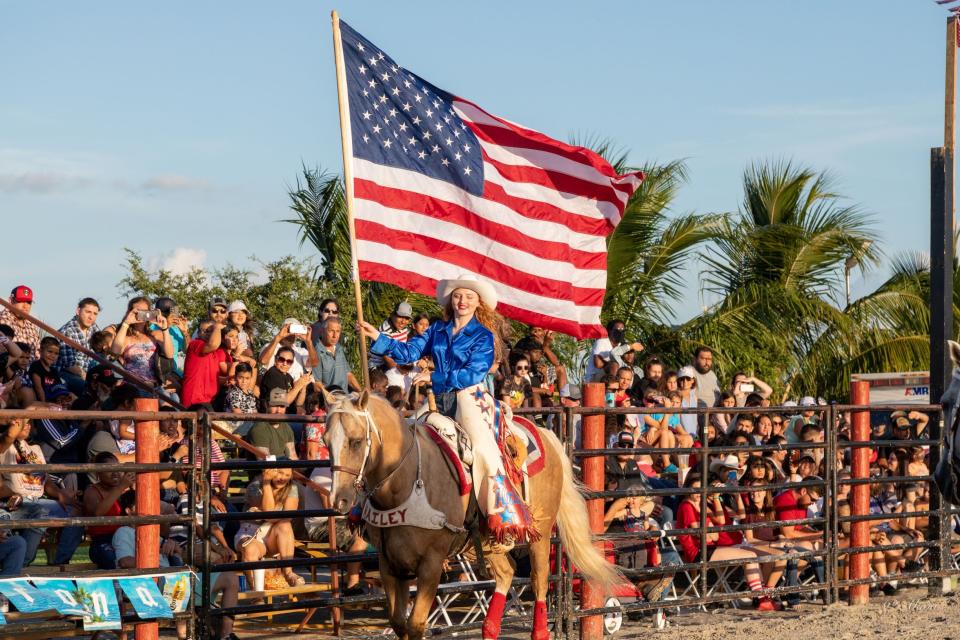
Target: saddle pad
[462,477]
[535,455]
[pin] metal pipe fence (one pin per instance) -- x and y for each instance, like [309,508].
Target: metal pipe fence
[706,581]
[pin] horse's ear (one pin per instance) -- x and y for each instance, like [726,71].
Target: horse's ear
[954,352]
[365,397]
[329,399]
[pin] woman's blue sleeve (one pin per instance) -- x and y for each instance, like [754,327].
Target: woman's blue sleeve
[478,363]
[403,352]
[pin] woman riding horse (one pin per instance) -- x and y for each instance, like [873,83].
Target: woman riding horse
[464,350]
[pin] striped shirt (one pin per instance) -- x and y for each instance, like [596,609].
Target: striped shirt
[400,335]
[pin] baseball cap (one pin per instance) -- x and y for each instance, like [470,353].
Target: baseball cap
[808,401]
[22,293]
[104,374]
[57,391]
[237,305]
[625,437]
[687,372]
[403,310]
[217,302]
[902,422]
[278,397]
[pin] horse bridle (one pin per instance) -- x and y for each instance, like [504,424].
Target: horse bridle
[358,484]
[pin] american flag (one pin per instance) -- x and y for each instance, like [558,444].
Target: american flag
[443,188]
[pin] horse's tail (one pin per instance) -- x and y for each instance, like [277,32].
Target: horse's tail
[575,526]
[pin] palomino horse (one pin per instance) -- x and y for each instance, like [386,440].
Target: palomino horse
[373,448]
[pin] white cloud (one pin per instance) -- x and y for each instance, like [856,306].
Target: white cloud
[179,261]
[41,182]
[175,182]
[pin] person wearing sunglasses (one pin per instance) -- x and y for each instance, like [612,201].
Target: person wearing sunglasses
[329,307]
[279,376]
[292,332]
[517,390]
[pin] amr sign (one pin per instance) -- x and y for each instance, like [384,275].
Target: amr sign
[897,388]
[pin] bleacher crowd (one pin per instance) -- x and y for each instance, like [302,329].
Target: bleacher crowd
[221,362]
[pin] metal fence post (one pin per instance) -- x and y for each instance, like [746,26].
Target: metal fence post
[592,436]
[830,511]
[203,426]
[858,564]
[192,527]
[148,501]
[704,483]
[941,329]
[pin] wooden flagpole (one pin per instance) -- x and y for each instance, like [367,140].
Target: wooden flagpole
[950,85]
[346,143]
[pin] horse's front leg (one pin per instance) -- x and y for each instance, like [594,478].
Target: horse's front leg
[428,577]
[398,594]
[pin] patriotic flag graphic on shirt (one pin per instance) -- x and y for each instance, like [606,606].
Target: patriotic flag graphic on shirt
[443,188]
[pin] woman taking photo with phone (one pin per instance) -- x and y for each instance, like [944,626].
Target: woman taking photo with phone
[136,346]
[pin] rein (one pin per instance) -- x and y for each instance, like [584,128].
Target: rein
[372,428]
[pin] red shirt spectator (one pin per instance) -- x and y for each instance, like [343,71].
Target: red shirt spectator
[689,518]
[787,507]
[204,364]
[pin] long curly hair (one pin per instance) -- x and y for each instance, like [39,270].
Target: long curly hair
[489,318]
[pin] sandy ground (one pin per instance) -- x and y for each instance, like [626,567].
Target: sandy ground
[911,615]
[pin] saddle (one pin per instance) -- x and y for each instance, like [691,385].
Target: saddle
[521,448]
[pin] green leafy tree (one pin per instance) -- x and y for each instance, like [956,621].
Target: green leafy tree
[273,291]
[777,266]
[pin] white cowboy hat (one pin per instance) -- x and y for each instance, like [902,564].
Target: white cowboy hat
[467,281]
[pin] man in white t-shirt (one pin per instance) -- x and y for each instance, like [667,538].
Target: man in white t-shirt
[30,488]
[708,387]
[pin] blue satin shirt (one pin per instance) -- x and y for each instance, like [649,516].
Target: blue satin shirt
[459,361]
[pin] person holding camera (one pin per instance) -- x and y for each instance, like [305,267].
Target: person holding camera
[743,386]
[137,347]
[305,357]
[609,349]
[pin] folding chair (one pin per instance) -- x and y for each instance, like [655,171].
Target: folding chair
[691,575]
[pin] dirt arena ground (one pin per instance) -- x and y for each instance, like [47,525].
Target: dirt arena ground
[911,615]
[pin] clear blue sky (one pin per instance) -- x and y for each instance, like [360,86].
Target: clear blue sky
[175,128]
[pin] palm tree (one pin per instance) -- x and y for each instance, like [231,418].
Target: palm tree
[887,329]
[777,266]
[319,204]
[647,252]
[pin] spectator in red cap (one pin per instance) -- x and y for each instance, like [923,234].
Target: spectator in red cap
[24,331]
